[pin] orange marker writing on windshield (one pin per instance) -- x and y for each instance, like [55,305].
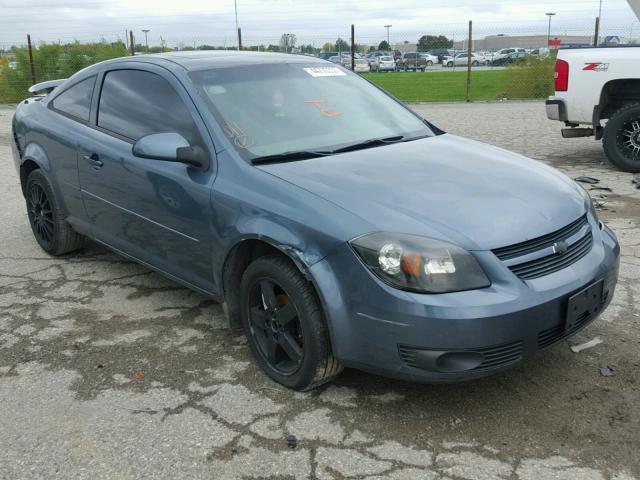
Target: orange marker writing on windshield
[323,111]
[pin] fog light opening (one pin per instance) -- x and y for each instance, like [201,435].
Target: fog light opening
[451,362]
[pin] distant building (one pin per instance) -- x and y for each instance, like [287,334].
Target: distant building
[496,42]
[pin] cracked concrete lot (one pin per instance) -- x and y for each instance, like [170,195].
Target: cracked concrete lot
[108,370]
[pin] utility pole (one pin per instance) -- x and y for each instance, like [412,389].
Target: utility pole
[132,44]
[549,14]
[388,41]
[353,48]
[33,69]
[469,48]
[235,6]
[146,41]
[600,10]
[597,32]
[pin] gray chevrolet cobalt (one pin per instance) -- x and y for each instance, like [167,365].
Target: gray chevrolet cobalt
[338,228]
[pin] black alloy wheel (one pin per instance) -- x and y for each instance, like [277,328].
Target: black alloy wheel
[285,325]
[48,221]
[629,140]
[621,138]
[40,215]
[275,326]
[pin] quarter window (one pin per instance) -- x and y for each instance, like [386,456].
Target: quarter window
[135,103]
[76,100]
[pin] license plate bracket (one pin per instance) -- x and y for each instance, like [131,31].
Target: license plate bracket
[584,305]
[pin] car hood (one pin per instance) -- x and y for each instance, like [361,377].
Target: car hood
[474,194]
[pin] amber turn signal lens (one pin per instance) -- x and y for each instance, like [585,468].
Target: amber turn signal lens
[411,264]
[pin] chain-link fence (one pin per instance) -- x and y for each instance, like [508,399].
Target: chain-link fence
[452,62]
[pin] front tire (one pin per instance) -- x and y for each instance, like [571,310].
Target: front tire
[429,63]
[47,219]
[621,138]
[285,326]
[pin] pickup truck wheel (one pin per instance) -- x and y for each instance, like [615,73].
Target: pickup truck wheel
[449,64]
[621,138]
[285,326]
[47,219]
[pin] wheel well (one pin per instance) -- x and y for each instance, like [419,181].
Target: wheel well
[25,170]
[617,93]
[237,261]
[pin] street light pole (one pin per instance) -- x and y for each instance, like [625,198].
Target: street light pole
[146,41]
[549,14]
[388,41]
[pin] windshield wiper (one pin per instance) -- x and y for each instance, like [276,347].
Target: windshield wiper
[374,142]
[289,156]
[308,154]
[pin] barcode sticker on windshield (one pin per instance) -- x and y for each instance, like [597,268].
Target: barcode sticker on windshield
[324,71]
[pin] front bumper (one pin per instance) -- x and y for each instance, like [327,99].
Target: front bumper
[377,328]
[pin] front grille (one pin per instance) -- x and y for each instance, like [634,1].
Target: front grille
[554,262]
[494,356]
[550,263]
[531,246]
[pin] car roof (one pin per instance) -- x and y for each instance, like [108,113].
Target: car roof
[206,59]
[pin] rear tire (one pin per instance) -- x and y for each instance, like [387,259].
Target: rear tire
[450,64]
[474,63]
[429,63]
[47,219]
[621,138]
[285,326]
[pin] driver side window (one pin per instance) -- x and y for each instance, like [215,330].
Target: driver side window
[135,103]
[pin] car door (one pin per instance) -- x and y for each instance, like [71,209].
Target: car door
[68,118]
[156,211]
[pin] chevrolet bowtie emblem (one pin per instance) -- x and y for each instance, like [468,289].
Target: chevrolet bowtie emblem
[560,247]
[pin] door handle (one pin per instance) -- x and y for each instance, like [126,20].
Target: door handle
[94,160]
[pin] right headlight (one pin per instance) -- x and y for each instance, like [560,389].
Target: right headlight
[590,202]
[420,264]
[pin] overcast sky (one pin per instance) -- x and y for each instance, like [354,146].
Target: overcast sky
[313,21]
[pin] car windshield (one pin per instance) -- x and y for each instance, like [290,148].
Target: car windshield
[273,109]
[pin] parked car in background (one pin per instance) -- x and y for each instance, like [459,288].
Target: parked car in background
[429,59]
[509,58]
[327,55]
[334,59]
[411,61]
[383,64]
[440,53]
[452,260]
[461,59]
[484,57]
[540,52]
[504,52]
[361,65]
[345,59]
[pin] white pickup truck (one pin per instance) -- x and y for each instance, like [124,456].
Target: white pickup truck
[599,84]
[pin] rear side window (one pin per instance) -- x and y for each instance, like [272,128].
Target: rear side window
[135,103]
[76,100]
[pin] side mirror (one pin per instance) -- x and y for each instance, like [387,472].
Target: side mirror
[170,147]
